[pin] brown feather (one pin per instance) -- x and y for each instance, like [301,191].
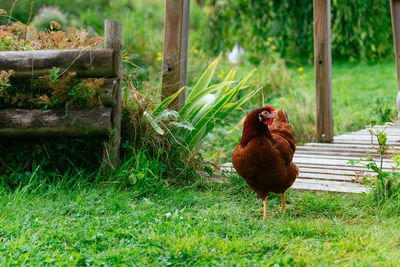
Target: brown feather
[264,156]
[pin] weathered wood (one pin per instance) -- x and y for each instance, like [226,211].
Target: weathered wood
[395,11]
[330,186]
[113,40]
[320,171]
[323,69]
[109,92]
[55,122]
[176,27]
[326,176]
[86,63]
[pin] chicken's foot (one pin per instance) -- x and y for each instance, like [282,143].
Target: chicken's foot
[265,217]
[283,198]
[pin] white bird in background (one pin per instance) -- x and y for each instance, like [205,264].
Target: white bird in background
[237,55]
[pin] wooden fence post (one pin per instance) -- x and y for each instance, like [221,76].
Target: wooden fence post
[176,29]
[395,10]
[323,69]
[113,40]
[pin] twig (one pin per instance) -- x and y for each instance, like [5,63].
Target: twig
[212,34]
[12,8]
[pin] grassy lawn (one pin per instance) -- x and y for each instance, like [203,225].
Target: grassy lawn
[362,93]
[95,225]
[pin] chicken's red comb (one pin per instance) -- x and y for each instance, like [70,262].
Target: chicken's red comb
[270,108]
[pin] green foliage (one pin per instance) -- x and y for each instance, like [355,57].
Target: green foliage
[81,224]
[360,29]
[55,89]
[48,160]
[207,106]
[52,90]
[385,184]
[42,20]
[22,8]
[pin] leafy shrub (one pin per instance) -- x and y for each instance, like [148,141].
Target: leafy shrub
[385,184]
[55,89]
[55,156]
[42,20]
[22,8]
[360,29]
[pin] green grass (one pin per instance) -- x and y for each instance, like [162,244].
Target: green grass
[359,92]
[218,225]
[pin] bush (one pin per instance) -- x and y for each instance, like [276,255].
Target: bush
[42,20]
[360,29]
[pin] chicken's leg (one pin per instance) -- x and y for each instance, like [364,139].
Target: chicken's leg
[265,208]
[283,198]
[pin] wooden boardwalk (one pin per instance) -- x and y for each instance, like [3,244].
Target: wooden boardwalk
[324,166]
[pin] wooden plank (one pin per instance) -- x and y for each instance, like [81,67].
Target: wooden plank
[343,146]
[86,63]
[349,172]
[323,69]
[325,176]
[55,122]
[357,168]
[176,27]
[337,168]
[326,161]
[359,142]
[331,149]
[354,155]
[113,40]
[331,186]
[109,92]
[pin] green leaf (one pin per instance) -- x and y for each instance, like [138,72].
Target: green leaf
[204,80]
[164,104]
[199,99]
[203,124]
[153,123]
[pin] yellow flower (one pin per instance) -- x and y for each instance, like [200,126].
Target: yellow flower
[223,154]
[273,47]
[196,51]
[159,54]
[159,58]
[302,77]
[201,51]
[300,69]
[267,43]
[270,39]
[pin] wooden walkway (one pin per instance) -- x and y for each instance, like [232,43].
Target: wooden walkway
[324,166]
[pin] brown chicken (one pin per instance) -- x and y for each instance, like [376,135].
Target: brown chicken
[265,153]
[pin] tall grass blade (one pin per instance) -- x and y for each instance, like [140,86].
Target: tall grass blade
[204,80]
[164,104]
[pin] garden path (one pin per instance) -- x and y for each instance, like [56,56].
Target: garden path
[324,166]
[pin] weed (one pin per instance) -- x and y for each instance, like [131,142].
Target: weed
[386,183]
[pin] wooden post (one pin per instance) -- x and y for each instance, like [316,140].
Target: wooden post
[323,69]
[395,10]
[113,40]
[176,29]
